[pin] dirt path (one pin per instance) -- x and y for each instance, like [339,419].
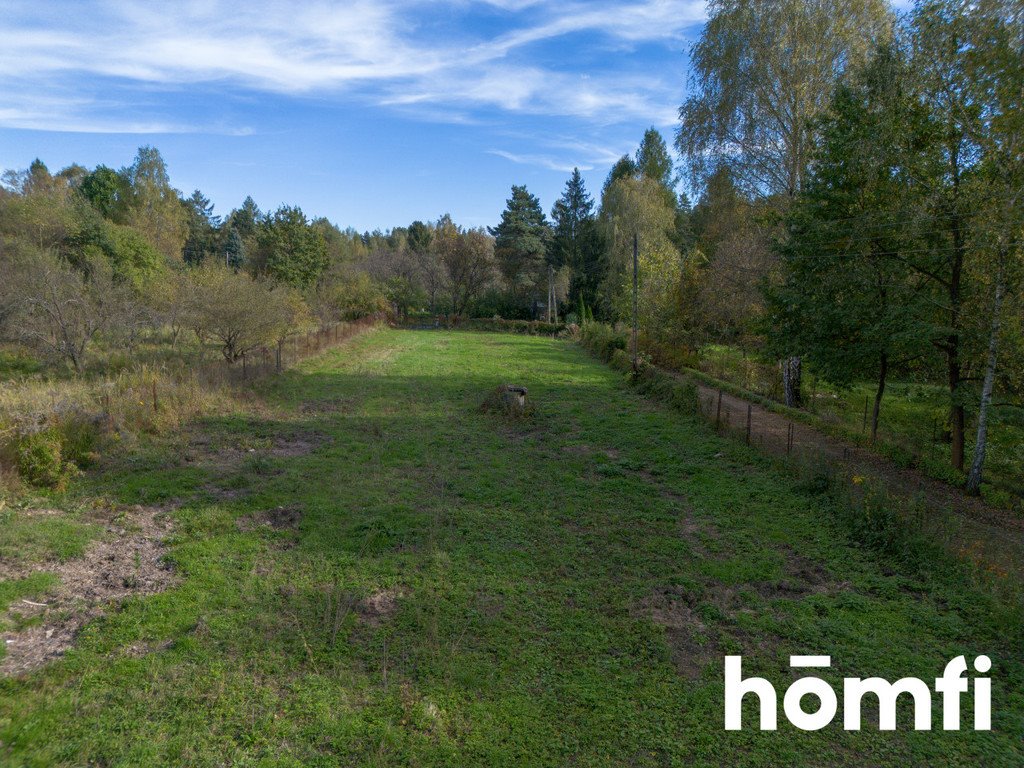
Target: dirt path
[995,535]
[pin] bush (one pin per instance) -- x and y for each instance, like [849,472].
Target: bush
[891,526]
[79,436]
[675,357]
[501,304]
[40,460]
[676,391]
[603,340]
[239,314]
[621,361]
[500,325]
[348,296]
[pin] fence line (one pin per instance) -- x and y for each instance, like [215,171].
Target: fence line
[271,360]
[152,391]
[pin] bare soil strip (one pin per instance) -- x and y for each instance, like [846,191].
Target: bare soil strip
[127,561]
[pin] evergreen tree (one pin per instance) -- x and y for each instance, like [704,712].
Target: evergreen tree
[568,216]
[521,244]
[684,235]
[246,219]
[193,252]
[202,229]
[576,241]
[234,250]
[419,237]
[200,207]
[654,162]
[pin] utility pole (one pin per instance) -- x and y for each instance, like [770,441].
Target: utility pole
[636,290]
[551,293]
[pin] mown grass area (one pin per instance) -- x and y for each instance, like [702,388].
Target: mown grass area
[417,582]
[912,422]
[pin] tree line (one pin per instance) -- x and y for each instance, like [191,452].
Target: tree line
[871,168]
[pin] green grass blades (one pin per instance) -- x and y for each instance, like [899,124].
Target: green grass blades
[375,571]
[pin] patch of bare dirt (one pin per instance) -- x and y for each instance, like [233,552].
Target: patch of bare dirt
[692,645]
[488,604]
[801,577]
[226,494]
[379,606]
[138,650]
[278,518]
[326,405]
[290,447]
[127,561]
[40,512]
[698,533]
[578,450]
[695,644]
[203,449]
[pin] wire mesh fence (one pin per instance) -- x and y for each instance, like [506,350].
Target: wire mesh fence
[270,360]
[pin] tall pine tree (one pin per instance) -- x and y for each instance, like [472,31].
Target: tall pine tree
[576,242]
[234,250]
[521,245]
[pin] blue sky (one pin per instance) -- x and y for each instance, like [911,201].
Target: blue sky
[370,113]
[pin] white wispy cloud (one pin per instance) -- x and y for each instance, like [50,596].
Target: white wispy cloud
[543,161]
[634,22]
[564,153]
[383,52]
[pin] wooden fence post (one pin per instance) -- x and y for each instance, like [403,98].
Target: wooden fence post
[156,403]
[718,413]
[749,413]
[106,407]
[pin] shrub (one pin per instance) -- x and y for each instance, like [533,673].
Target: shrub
[500,325]
[621,361]
[602,340]
[684,397]
[240,314]
[891,526]
[79,435]
[40,460]
[344,295]
[678,392]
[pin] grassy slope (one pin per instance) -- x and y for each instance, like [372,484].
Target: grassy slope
[525,556]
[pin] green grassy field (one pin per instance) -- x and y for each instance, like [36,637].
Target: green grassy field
[445,588]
